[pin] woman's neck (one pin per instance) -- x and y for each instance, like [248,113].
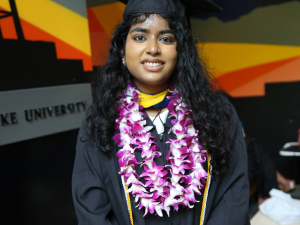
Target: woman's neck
[151,89]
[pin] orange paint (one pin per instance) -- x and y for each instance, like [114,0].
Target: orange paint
[289,72]
[100,41]
[109,16]
[33,33]
[7,27]
[100,46]
[235,79]
[63,49]
[94,25]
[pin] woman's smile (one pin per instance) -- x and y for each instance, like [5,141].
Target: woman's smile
[153,64]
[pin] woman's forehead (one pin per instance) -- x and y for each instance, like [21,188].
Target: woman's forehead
[154,22]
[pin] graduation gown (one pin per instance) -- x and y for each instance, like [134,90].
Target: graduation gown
[99,197]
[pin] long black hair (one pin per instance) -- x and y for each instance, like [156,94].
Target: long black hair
[210,109]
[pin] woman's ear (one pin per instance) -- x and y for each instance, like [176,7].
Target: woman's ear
[122,52]
[123,57]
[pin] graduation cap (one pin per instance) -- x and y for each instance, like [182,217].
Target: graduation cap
[176,8]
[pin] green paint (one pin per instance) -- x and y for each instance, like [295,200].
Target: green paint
[78,6]
[91,3]
[277,24]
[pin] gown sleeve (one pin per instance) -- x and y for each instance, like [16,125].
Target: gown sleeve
[90,198]
[230,192]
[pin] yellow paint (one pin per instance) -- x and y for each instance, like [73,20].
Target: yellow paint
[226,57]
[56,20]
[121,6]
[109,16]
[5,4]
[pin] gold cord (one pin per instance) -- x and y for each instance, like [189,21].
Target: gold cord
[129,203]
[205,190]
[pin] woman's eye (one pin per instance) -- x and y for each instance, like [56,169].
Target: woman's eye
[166,39]
[139,38]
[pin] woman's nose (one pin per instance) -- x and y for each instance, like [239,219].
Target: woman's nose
[153,47]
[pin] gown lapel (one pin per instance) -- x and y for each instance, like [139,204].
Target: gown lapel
[138,156]
[113,170]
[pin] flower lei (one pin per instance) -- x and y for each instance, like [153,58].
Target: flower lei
[186,156]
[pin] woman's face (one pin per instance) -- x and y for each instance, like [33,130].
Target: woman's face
[151,54]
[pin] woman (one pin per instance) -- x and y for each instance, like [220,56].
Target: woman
[160,145]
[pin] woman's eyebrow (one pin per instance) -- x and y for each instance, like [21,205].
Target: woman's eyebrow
[166,32]
[139,29]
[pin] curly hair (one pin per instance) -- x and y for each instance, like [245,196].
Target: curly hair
[210,109]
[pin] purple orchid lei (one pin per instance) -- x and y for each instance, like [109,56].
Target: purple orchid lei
[159,192]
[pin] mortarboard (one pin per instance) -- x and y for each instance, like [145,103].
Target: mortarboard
[176,8]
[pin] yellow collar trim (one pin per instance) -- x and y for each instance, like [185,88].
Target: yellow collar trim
[149,100]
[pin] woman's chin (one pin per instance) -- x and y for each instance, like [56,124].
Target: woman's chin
[152,81]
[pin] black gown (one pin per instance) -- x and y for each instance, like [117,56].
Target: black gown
[99,198]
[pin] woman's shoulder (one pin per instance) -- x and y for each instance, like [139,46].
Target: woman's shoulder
[231,110]
[235,134]
[93,116]
[234,121]
[92,110]
[85,124]
[86,139]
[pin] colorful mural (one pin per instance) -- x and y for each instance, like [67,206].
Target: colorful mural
[246,46]
[53,21]
[259,47]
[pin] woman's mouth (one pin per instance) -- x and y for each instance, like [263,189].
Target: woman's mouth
[153,64]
